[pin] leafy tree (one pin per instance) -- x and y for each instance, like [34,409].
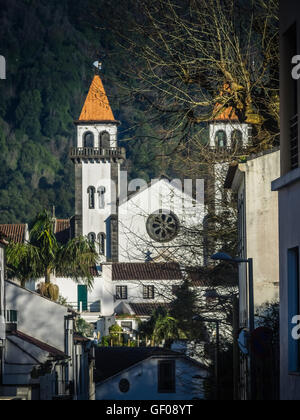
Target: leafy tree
[84,328]
[166,329]
[115,334]
[184,308]
[161,327]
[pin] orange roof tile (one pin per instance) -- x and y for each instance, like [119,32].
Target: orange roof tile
[96,106]
[13,232]
[62,230]
[224,114]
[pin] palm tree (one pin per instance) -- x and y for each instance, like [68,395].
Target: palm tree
[43,255]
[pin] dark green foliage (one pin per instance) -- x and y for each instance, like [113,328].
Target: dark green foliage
[184,308]
[49,48]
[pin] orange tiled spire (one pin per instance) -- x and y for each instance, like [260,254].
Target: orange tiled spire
[96,106]
[224,114]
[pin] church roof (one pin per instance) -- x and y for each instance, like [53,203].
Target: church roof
[146,271]
[62,230]
[96,107]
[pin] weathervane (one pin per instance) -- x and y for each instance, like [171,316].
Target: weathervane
[98,65]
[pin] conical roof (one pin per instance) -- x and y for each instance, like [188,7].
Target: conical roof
[222,113]
[96,107]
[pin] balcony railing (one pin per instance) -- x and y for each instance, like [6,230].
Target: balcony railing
[82,307]
[294,142]
[97,153]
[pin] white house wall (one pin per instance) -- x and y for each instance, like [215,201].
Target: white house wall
[262,226]
[37,316]
[143,383]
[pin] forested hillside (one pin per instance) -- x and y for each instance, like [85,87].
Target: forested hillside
[50,48]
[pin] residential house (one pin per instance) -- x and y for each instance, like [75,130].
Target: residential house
[288,186]
[43,358]
[148,374]
[257,237]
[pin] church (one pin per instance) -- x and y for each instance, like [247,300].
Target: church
[138,228]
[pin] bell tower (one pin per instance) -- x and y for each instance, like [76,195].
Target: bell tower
[228,137]
[97,160]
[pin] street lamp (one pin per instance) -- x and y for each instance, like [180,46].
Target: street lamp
[222,256]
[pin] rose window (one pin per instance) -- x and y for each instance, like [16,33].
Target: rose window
[162,226]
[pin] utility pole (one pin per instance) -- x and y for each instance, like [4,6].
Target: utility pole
[236,351]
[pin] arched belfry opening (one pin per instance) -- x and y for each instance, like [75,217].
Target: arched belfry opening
[104,140]
[221,139]
[88,139]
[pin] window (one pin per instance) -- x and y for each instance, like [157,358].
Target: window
[126,325]
[166,376]
[102,240]
[148,292]
[291,100]
[212,297]
[221,139]
[104,140]
[121,292]
[236,140]
[92,237]
[124,385]
[91,193]
[101,195]
[88,139]
[162,226]
[293,307]
[290,95]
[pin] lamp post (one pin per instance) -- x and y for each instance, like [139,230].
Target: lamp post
[222,256]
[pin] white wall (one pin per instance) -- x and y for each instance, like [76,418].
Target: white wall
[37,316]
[134,241]
[96,175]
[143,383]
[261,206]
[262,225]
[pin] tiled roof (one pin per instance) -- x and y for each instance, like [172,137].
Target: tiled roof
[146,309]
[62,230]
[96,107]
[43,346]
[13,232]
[221,275]
[146,271]
[222,113]
[112,360]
